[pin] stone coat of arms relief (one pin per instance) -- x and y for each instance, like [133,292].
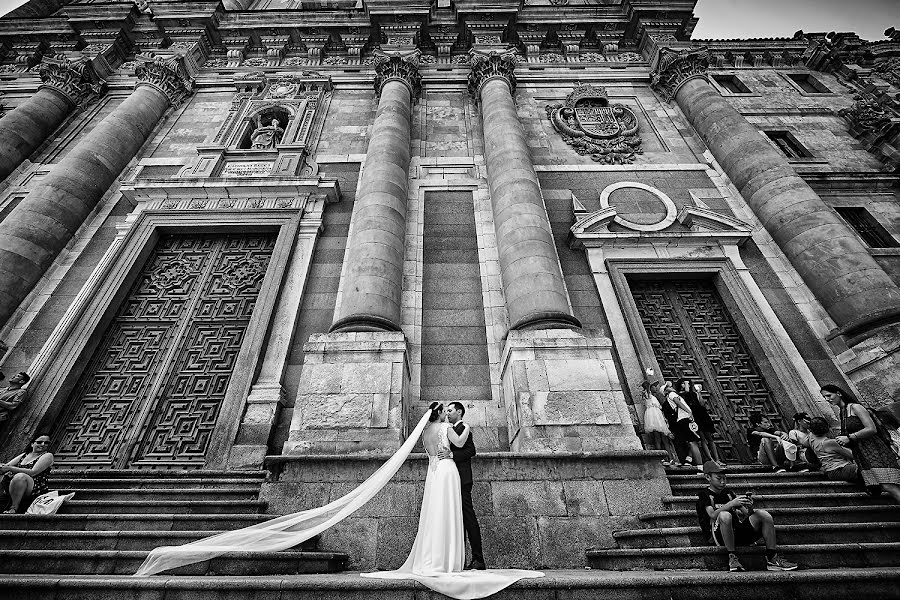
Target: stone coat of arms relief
[592,126]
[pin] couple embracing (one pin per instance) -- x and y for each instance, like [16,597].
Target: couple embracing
[436,558]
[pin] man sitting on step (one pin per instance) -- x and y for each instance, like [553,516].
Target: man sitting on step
[730,520]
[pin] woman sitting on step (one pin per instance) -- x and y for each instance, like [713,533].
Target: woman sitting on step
[27,476]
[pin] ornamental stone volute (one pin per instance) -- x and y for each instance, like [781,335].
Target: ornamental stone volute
[675,68]
[487,66]
[75,80]
[167,76]
[398,66]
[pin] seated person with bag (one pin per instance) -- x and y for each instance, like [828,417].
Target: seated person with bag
[730,520]
[837,461]
[27,475]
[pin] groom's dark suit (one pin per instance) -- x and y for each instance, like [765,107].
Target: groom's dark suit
[463,459]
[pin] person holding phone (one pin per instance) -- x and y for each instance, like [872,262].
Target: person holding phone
[730,520]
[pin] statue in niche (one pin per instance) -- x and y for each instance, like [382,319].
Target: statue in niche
[264,137]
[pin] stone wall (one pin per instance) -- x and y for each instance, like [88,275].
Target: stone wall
[535,511]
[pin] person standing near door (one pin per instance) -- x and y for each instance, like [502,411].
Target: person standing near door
[685,428]
[691,394]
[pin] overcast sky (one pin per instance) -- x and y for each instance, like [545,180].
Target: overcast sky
[769,18]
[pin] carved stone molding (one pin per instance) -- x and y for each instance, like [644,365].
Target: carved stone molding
[76,80]
[592,126]
[674,68]
[167,76]
[487,66]
[398,66]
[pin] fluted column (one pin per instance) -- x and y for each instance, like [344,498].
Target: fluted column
[370,297]
[43,223]
[533,284]
[827,254]
[66,84]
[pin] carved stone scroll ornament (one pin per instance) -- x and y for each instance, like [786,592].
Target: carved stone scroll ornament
[491,65]
[76,80]
[167,76]
[397,66]
[869,114]
[675,68]
[592,126]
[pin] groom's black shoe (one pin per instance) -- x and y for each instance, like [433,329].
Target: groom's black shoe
[475,565]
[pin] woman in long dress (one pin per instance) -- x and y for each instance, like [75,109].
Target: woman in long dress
[437,556]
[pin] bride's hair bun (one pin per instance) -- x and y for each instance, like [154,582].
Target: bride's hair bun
[435,408]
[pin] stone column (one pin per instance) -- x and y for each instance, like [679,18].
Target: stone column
[44,222]
[533,285]
[355,379]
[370,297]
[827,254]
[66,84]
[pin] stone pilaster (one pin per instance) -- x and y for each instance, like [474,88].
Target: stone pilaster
[370,299]
[66,84]
[830,258]
[43,223]
[533,285]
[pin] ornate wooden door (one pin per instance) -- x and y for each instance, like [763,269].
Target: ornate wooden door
[150,394]
[693,336]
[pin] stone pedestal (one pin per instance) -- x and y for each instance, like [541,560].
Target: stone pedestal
[562,393]
[352,395]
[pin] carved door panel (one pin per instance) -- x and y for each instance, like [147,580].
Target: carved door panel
[151,393]
[693,336]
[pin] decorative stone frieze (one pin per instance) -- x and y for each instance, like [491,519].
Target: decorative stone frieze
[889,70]
[403,67]
[592,126]
[675,68]
[76,80]
[167,76]
[487,66]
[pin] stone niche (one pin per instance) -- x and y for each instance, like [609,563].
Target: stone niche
[269,129]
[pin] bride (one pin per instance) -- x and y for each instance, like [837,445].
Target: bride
[437,554]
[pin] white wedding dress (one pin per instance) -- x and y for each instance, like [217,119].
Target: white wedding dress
[437,555]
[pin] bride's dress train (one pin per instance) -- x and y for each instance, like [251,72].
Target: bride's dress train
[437,555]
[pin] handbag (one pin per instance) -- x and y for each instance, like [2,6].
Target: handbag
[47,504]
[692,425]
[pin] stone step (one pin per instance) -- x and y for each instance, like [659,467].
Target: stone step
[733,469]
[847,584]
[832,499]
[131,521]
[788,486]
[19,539]
[126,562]
[140,474]
[89,507]
[59,483]
[809,556]
[788,516]
[742,478]
[806,533]
[153,495]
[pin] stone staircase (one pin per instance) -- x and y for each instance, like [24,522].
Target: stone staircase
[820,524]
[117,517]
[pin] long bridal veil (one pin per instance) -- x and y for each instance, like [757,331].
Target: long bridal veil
[283,532]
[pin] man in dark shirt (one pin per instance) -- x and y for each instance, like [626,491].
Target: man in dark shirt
[463,458]
[730,520]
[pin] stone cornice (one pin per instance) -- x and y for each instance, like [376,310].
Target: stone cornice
[76,80]
[168,76]
[398,66]
[487,66]
[674,68]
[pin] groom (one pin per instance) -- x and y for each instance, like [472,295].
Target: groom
[463,458]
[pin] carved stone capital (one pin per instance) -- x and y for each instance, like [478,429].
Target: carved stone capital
[487,66]
[398,66]
[76,80]
[167,76]
[675,68]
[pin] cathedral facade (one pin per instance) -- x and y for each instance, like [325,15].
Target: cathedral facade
[269,233]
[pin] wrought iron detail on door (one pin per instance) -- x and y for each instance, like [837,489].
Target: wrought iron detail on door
[693,335]
[151,393]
